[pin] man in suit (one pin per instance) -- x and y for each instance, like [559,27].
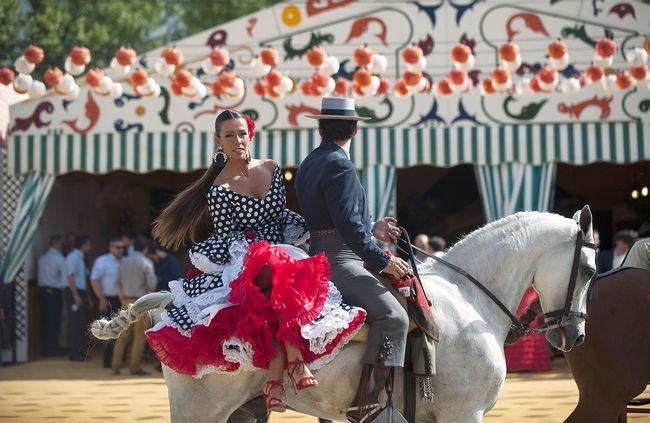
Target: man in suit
[335,208]
[612,258]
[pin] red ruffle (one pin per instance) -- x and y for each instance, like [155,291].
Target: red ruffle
[299,292]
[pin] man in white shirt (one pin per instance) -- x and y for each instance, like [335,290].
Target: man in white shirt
[137,278]
[52,278]
[104,279]
[76,297]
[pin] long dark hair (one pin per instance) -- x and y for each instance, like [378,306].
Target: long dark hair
[186,218]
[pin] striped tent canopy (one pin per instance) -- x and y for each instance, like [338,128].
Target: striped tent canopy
[534,144]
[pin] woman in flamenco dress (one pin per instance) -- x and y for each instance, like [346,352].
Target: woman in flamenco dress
[254,300]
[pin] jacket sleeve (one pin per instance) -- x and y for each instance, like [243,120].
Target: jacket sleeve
[341,189]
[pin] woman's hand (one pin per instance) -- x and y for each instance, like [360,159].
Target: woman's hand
[385,230]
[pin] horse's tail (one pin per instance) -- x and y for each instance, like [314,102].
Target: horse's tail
[113,328]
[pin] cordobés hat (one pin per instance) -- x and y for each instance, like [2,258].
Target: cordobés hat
[338,108]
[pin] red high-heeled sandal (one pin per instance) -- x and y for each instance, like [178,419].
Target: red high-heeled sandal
[274,403]
[305,381]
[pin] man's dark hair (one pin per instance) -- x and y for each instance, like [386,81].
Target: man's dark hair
[437,243]
[628,236]
[55,238]
[80,240]
[337,130]
[141,242]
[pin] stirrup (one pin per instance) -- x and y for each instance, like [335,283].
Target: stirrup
[373,411]
[274,403]
[305,381]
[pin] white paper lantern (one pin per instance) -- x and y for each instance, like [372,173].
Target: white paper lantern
[119,69]
[570,86]
[259,68]
[371,89]
[66,83]
[239,88]
[609,83]
[163,68]
[637,57]
[378,64]
[330,65]
[23,66]
[72,68]
[512,65]
[466,65]
[116,90]
[37,89]
[603,62]
[210,68]
[285,86]
[418,67]
[73,93]
[522,87]
[23,82]
[561,63]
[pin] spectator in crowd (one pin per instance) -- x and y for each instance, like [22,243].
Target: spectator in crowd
[76,296]
[103,280]
[127,239]
[137,278]
[52,279]
[68,243]
[437,245]
[597,239]
[422,242]
[166,266]
[613,257]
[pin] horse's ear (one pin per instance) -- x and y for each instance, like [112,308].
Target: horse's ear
[585,219]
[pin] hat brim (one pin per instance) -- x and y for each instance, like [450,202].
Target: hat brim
[337,117]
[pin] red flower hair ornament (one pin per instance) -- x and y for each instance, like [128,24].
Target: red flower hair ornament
[251,127]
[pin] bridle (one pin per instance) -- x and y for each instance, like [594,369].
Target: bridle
[553,320]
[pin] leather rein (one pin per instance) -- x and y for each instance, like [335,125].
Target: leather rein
[553,320]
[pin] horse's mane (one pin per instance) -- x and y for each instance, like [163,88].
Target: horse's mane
[518,220]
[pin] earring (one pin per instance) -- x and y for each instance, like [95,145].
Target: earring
[248,156]
[219,158]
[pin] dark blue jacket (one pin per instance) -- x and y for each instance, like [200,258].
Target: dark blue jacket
[332,197]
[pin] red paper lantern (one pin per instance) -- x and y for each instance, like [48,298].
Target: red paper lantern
[260,88]
[220,57]
[269,56]
[457,77]
[218,89]
[362,55]
[509,52]
[183,78]
[412,54]
[6,76]
[606,47]
[412,77]
[320,79]
[94,77]
[176,89]
[443,87]
[140,77]
[487,86]
[125,56]
[594,73]
[557,49]
[639,73]
[172,55]
[534,85]
[227,79]
[500,75]
[53,76]
[34,54]
[547,75]
[316,56]
[342,86]
[80,56]
[273,78]
[362,77]
[384,86]
[460,53]
[623,80]
[401,88]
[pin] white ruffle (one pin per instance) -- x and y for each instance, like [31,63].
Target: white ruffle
[321,362]
[204,264]
[295,234]
[236,351]
[237,251]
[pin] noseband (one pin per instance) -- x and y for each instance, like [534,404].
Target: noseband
[554,319]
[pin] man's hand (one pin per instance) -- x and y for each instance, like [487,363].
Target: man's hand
[385,230]
[396,267]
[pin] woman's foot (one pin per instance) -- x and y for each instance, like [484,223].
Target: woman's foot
[300,375]
[273,394]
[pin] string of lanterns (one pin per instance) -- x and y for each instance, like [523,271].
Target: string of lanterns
[366,79]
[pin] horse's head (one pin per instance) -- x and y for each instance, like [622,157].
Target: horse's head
[562,278]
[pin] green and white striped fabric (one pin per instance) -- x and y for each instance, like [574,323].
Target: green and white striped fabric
[34,192]
[577,144]
[511,187]
[381,184]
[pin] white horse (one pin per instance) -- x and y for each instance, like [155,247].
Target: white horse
[506,256]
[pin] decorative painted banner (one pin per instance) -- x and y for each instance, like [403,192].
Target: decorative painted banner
[341,26]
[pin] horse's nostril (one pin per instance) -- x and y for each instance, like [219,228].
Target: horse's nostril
[580,340]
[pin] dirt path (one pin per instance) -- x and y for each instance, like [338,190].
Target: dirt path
[60,390]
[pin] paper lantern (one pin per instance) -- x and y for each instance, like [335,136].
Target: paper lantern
[623,80]
[80,56]
[401,89]
[228,79]
[443,87]
[556,49]
[534,85]
[341,86]
[273,78]
[548,78]
[362,77]
[320,79]
[330,65]
[23,66]
[508,52]
[412,78]
[412,54]
[36,90]
[53,76]
[23,82]
[362,55]
[269,56]
[637,57]
[378,64]
[220,57]
[316,56]
[94,77]
[172,55]
[486,86]
[639,73]
[73,68]
[259,68]
[125,56]
[570,86]
[594,73]
[384,86]
[501,80]
[34,54]
[163,68]
[6,76]
[140,77]
[606,47]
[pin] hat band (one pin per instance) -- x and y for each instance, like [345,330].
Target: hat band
[338,112]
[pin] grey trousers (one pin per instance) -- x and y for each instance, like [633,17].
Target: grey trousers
[388,320]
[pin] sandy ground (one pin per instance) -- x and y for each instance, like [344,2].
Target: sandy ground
[57,389]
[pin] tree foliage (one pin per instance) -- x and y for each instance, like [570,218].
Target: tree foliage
[103,26]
